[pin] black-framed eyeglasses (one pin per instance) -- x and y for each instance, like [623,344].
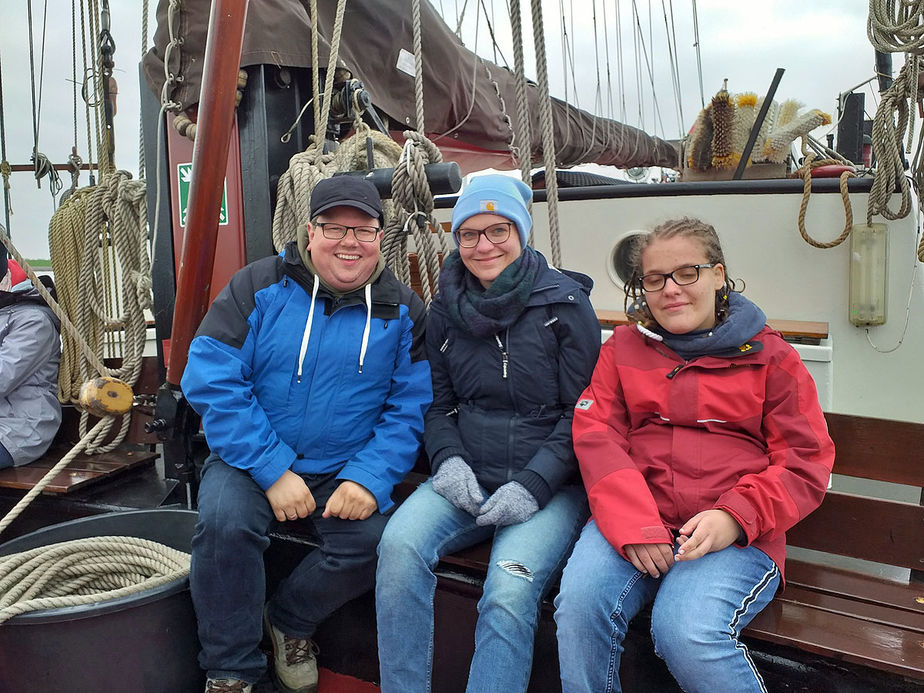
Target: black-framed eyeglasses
[681,276]
[334,232]
[497,233]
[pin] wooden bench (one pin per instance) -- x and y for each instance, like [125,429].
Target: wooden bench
[84,469]
[831,629]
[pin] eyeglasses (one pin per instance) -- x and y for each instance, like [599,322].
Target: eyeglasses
[496,233]
[681,276]
[334,232]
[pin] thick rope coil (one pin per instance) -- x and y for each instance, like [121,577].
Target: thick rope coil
[414,215]
[66,324]
[887,145]
[310,166]
[805,171]
[896,27]
[94,227]
[85,571]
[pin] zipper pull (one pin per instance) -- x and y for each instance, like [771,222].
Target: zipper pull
[500,345]
[670,376]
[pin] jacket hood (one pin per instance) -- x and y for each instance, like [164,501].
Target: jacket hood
[26,293]
[554,285]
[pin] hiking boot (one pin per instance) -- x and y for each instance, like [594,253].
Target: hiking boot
[227,686]
[294,659]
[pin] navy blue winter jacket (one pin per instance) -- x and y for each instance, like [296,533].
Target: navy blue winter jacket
[270,401]
[513,421]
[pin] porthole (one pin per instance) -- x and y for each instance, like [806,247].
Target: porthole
[620,267]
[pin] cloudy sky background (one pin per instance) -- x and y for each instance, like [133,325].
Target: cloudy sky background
[822,45]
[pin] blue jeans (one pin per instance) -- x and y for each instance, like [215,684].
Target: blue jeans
[699,610]
[526,558]
[227,578]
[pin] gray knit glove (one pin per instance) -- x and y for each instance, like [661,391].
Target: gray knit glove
[455,481]
[508,505]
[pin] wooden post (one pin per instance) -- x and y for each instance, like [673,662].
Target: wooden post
[210,157]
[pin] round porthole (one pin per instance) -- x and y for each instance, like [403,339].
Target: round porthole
[621,259]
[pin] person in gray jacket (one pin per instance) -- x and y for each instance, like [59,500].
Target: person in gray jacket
[512,343]
[30,349]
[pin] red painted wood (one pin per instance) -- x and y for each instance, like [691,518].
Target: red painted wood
[210,156]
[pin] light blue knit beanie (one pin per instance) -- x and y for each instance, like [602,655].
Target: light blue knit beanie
[496,194]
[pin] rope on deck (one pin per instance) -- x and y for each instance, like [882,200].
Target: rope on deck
[85,571]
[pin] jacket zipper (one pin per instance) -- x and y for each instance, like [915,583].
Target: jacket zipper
[504,359]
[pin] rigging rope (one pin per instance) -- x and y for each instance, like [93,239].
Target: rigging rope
[895,27]
[413,200]
[43,166]
[5,168]
[94,226]
[51,474]
[522,145]
[548,134]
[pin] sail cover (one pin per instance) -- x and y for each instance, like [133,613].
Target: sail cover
[467,100]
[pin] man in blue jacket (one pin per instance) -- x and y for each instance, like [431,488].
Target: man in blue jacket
[310,374]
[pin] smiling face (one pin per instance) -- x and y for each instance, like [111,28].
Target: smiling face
[486,260]
[682,309]
[347,263]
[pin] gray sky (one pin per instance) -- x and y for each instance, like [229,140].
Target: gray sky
[822,45]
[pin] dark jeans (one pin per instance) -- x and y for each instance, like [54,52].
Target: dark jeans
[6,459]
[227,578]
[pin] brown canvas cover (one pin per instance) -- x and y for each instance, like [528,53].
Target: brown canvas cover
[466,98]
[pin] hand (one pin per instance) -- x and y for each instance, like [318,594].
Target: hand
[508,505]
[290,497]
[350,501]
[455,481]
[705,532]
[651,559]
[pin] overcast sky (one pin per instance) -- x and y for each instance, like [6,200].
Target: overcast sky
[821,44]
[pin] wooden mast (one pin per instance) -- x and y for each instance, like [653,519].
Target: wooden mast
[210,157]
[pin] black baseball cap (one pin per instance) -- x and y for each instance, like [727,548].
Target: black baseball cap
[346,191]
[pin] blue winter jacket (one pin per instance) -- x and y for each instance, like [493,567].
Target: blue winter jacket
[272,401]
[505,403]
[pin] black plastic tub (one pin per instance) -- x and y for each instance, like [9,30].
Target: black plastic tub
[143,643]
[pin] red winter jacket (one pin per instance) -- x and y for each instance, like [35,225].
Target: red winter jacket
[659,440]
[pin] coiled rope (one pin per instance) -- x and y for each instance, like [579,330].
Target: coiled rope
[95,228]
[310,166]
[414,216]
[897,27]
[411,196]
[805,171]
[411,193]
[85,571]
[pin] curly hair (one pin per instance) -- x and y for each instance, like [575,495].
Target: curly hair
[683,227]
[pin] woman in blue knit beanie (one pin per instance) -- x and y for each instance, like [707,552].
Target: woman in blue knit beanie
[512,343]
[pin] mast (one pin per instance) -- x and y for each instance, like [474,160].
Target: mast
[210,157]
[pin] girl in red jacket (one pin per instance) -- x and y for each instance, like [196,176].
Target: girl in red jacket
[701,441]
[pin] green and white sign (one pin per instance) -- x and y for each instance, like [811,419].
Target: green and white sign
[184,176]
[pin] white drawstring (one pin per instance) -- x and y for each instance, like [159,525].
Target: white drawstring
[362,349]
[301,356]
[648,333]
